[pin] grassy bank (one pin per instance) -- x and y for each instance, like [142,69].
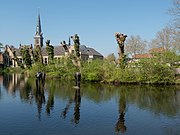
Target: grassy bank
[143,72]
[158,70]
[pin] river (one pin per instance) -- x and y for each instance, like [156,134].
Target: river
[57,108]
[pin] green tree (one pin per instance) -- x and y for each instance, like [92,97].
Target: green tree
[50,50]
[25,51]
[37,55]
[92,71]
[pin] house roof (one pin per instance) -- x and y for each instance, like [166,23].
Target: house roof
[150,54]
[142,56]
[157,50]
[59,51]
[90,51]
[18,53]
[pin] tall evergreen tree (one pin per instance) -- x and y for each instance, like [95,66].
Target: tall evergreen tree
[50,50]
[26,56]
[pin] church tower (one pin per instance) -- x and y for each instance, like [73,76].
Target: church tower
[38,38]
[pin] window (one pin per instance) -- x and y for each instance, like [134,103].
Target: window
[45,61]
[20,60]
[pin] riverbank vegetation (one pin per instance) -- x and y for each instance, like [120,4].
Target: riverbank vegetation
[156,70]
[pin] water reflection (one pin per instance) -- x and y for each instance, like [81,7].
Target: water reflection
[39,96]
[120,125]
[50,102]
[14,82]
[159,100]
[77,103]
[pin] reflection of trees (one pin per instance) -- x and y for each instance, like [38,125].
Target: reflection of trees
[77,103]
[77,100]
[12,82]
[120,125]
[158,99]
[0,92]
[50,102]
[1,82]
[97,92]
[39,97]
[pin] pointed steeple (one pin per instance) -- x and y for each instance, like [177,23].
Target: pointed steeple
[38,39]
[38,27]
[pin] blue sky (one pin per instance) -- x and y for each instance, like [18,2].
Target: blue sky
[95,21]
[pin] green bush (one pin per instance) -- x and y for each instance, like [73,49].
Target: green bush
[92,71]
[63,69]
[153,71]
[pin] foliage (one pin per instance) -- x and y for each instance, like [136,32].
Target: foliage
[26,56]
[92,71]
[76,40]
[50,50]
[36,68]
[111,58]
[169,57]
[152,71]
[37,55]
[76,47]
[155,70]
[63,69]
[14,70]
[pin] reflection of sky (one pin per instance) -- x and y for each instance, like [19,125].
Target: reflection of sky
[145,122]
[21,117]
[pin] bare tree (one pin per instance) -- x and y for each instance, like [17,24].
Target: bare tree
[175,13]
[163,38]
[111,58]
[167,39]
[135,45]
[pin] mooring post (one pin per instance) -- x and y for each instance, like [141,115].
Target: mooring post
[77,78]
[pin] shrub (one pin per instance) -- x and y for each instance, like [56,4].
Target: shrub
[92,71]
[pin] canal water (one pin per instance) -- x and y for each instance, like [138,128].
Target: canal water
[57,108]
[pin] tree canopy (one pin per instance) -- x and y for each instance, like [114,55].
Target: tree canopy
[135,45]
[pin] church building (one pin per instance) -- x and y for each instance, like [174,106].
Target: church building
[13,55]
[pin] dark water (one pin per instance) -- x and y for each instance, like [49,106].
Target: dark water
[95,109]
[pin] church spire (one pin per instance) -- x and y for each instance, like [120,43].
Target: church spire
[38,39]
[38,27]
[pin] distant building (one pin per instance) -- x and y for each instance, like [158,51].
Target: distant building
[158,50]
[38,38]
[1,60]
[151,54]
[13,54]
